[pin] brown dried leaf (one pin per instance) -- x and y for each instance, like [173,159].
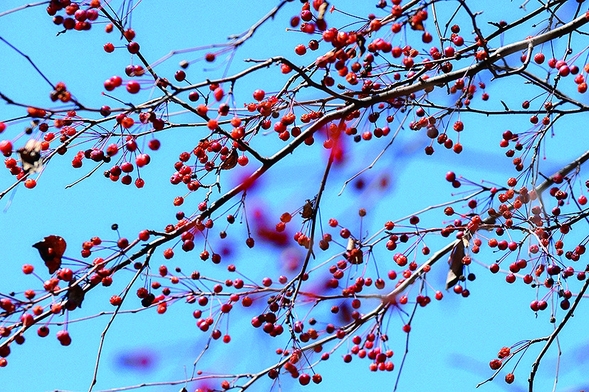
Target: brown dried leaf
[307,211]
[416,23]
[231,161]
[75,297]
[51,249]
[354,255]
[456,265]
[361,41]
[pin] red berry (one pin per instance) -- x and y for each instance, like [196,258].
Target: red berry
[109,47]
[300,49]
[43,331]
[304,379]
[6,147]
[133,87]
[64,338]
[212,124]
[27,269]
[115,300]
[539,58]
[180,75]
[259,95]
[495,364]
[133,47]
[317,378]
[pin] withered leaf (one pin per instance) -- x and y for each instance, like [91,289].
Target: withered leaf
[361,41]
[231,161]
[416,23]
[75,297]
[355,255]
[322,9]
[30,156]
[307,211]
[51,249]
[456,265]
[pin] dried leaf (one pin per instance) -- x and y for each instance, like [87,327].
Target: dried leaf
[231,161]
[416,23]
[322,9]
[361,41]
[351,244]
[75,297]
[307,211]
[30,156]
[355,255]
[51,249]
[456,265]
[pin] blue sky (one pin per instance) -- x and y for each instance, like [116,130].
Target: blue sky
[451,341]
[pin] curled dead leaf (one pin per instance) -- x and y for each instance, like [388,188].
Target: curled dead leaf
[51,249]
[354,254]
[307,211]
[75,297]
[231,161]
[456,266]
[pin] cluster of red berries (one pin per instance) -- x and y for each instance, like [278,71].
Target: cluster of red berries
[76,17]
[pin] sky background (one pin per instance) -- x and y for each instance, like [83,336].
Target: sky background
[451,341]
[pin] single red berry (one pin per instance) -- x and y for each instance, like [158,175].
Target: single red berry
[133,47]
[259,95]
[180,75]
[109,47]
[304,379]
[300,49]
[133,87]
[212,124]
[64,338]
[27,269]
[30,183]
[43,331]
[317,378]
[495,364]
[115,300]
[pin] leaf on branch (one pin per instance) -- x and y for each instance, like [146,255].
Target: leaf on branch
[455,261]
[231,161]
[307,211]
[322,9]
[30,155]
[354,255]
[416,22]
[75,297]
[361,41]
[51,249]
